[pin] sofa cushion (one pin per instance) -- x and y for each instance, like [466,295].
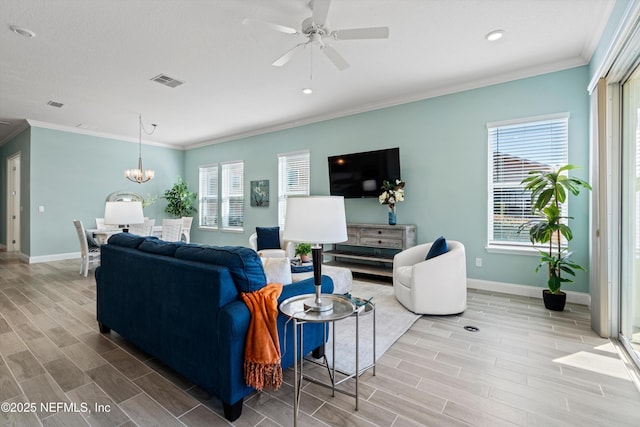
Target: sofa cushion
[125,239]
[438,247]
[153,245]
[277,270]
[268,237]
[243,263]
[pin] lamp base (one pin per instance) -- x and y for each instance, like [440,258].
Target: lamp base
[317,305]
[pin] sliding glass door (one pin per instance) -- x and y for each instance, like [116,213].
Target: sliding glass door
[630,216]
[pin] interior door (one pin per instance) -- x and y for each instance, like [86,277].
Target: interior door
[13,203]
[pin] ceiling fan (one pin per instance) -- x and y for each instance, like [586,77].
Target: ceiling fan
[317,32]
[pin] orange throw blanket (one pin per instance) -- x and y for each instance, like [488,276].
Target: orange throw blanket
[262,367]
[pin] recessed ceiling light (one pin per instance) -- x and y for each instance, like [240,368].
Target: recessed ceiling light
[22,31]
[307,91]
[494,35]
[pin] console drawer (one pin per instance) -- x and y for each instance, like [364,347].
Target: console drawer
[381,242]
[383,233]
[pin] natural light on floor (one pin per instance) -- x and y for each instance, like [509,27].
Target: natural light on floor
[598,363]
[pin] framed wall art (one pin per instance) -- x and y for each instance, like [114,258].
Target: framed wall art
[260,193]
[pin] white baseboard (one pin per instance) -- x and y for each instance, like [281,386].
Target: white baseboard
[48,258]
[525,290]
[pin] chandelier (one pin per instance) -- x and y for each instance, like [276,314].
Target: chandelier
[140,175]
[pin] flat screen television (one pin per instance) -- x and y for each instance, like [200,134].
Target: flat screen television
[360,175]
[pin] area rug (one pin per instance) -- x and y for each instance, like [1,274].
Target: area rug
[392,320]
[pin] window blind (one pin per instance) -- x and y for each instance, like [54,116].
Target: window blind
[233,195]
[293,179]
[515,149]
[208,202]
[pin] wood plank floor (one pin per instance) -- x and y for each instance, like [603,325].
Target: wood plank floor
[525,366]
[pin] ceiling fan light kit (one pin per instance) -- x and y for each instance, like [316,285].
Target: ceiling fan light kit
[317,32]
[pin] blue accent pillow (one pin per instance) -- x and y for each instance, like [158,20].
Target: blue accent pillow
[439,247]
[244,264]
[153,245]
[268,237]
[125,239]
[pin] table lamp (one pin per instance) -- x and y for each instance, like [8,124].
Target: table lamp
[123,214]
[316,220]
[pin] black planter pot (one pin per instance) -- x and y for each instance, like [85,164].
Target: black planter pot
[554,302]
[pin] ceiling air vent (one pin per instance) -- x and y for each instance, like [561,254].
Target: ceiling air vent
[55,104]
[166,80]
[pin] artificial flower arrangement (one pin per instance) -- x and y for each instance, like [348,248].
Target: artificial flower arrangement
[392,193]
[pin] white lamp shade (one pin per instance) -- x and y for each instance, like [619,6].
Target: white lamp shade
[123,213]
[315,219]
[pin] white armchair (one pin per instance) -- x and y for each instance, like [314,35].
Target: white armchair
[436,286]
[287,249]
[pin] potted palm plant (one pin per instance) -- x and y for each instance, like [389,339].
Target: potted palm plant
[549,191]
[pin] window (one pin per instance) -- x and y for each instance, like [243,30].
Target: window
[232,191]
[293,179]
[515,148]
[208,202]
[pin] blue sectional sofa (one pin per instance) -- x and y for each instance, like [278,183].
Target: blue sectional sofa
[181,304]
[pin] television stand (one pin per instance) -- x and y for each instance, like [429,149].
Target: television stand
[370,248]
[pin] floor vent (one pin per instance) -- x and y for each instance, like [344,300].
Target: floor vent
[166,80]
[55,104]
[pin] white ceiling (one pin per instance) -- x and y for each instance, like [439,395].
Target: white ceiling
[97,58]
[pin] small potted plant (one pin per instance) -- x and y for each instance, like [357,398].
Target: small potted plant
[303,249]
[549,191]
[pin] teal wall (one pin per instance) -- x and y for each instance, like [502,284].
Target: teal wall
[443,149]
[71,175]
[21,144]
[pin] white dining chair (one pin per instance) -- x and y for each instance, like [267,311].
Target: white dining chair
[144,229]
[171,230]
[186,228]
[87,255]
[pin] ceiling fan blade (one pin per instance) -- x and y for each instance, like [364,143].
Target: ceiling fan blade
[335,57]
[269,26]
[287,56]
[361,33]
[320,11]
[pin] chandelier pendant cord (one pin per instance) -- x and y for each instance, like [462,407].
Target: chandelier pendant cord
[139,175]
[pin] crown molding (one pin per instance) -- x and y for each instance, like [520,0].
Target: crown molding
[90,132]
[17,131]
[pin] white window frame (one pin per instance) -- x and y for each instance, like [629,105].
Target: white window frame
[205,173]
[232,194]
[560,157]
[299,163]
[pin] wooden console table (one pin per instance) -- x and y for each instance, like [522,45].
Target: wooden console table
[371,247]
